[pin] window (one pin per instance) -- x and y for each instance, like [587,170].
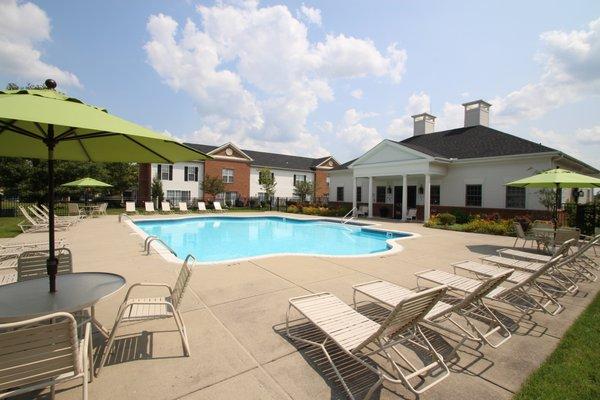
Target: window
[327,181]
[358,194]
[227,175]
[380,194]
[299,178]
[190,174]
[230,198]
[473,196]
[340,193]
[164,172]
[175,196]
[434,195]
[515,197]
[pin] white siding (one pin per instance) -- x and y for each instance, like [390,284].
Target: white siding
[284,179]
[179,182]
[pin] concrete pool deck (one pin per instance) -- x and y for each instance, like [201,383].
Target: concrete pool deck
[235,315]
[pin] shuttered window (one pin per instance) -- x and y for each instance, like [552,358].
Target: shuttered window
[165,172]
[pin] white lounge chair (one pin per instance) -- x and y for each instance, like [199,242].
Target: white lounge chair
[470,305]
[519,296]
[145,309]
[130,207]
[202,207]
[35,225]
[43,351]
[183,206]
[32,264]
[218,208]
[14,249]
[149,207]
[362,338]
[526,255]
[411,215]
[165,206]
[61,219]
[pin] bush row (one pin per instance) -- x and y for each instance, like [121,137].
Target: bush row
[477,224]
[309,209]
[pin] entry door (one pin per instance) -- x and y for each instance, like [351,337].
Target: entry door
[412,197]
[398,202]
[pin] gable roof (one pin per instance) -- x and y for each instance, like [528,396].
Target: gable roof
[272,160]
[473,142]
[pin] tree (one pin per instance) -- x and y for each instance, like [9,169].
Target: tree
[212,186]
[303,189]
[156,190]
[547,198]
[122,176]
[267,180]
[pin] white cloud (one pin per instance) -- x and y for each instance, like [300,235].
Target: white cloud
[402,127]
[588,136]
[310,14]
[356,136]
[357,94]
[24,26]
[254,74]
[584,143]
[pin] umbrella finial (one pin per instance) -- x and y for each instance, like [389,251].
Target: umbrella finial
[50,84]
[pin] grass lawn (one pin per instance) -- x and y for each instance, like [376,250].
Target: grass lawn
[573,370]
[8,227]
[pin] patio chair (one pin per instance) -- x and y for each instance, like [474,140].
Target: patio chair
[202,207]
[411,215]
[467,307]
[218,208]
[149,207]
[146,309]
[100,209]
[183,206]
[44,351]
[362,211]
[32,264]
[518,296]
[165,207]
[130,207]
[73,209]
[362,338]
[522,235]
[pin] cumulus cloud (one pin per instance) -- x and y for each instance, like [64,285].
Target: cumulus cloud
[254,74]
[310,14]
[24,27]
[357,94]
[358,137]
[402,127]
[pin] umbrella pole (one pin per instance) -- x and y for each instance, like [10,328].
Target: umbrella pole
[557,201]
[52,262]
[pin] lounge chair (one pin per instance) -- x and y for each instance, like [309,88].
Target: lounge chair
[523,236]
[58,219]
[32,264]
[36,225]
[44,351]
[202,207]
[165,207]
[14,249]
[149,207]
[130,207]
[183,207]
[526,255]
[145,309]
[411,215]
[74,210]
[218,207]
[99,210]
[468,306]
[362,338]
[519,296]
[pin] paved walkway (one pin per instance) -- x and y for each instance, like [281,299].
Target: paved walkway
[235,315]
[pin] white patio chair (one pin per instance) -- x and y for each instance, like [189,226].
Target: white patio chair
[32,224]
[41,352]
[165,207]
[202,207]
[183,206]
[130,207]
[32,264]
[149,207]
[145,309]
[362,338]
[468,306]
[522,235]
[100,209]
[218,208]
[74,210]
[411,215]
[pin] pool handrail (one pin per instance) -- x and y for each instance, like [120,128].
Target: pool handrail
[148,241]
[345,218]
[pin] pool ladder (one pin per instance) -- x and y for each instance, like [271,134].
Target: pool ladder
[122,216]
[349,214]
[148,241]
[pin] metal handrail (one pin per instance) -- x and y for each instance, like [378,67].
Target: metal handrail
[148,241]
[124,215]
[345,218]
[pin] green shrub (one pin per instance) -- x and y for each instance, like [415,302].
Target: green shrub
[461,216]
[446,219]
[292,209]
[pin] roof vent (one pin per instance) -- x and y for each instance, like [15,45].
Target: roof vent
[423,123]
[477,113]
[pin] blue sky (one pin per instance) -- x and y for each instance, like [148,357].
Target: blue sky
[312,78]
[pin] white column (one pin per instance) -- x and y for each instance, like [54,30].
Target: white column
[404,196]
[354,182]
[427,200]
[370,197]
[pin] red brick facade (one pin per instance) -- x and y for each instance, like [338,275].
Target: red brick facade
[241,175]
[144,182]
[321,186]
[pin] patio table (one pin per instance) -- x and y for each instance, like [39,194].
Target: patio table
[78,291]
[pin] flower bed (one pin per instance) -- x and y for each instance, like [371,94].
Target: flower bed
[490,224]
[309,209]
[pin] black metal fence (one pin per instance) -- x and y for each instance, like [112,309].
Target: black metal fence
[586,217]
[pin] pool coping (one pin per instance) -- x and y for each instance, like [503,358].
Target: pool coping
[168,256]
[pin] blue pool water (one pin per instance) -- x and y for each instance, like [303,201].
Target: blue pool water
[230,238]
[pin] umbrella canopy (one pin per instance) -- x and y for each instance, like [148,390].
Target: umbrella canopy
[555,179]
[48,125]
[86,183]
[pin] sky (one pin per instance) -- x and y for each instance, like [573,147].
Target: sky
[317,78]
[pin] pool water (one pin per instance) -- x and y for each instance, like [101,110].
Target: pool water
[230,238]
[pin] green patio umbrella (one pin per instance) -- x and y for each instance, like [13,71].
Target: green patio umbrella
[86,183]
[555,179]
[46,124]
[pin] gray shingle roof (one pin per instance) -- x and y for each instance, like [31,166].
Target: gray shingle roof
[272,160]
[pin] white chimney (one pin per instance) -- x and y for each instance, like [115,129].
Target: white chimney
[477,113]
[423,123]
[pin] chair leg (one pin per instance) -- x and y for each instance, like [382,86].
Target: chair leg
[110,342]
[182,332]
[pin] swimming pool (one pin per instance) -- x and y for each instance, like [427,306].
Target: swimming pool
[224,238]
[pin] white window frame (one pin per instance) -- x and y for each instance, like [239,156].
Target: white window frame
[227,174]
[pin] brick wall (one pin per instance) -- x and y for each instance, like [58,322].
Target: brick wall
[241,175]
[321,182]
[144,182]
